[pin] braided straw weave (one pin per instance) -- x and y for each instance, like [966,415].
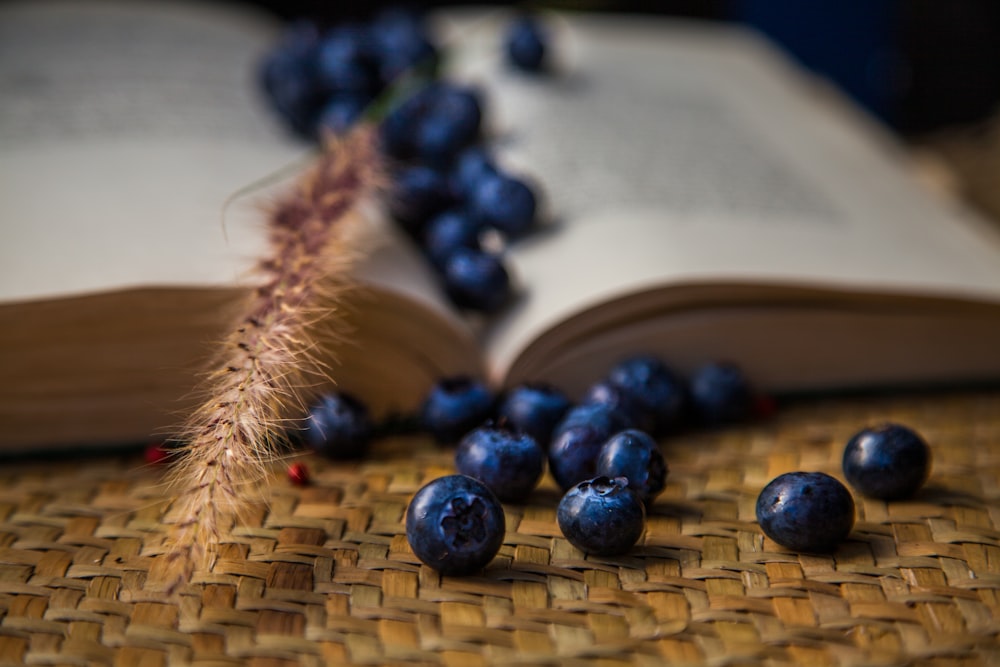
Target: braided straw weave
[324,575]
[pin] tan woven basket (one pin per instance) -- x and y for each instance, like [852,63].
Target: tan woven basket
[324,575]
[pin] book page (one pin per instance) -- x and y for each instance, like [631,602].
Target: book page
[676,153]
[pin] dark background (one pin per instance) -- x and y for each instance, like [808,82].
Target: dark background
[919,65]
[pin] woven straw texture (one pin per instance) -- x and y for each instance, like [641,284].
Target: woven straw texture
[323,575]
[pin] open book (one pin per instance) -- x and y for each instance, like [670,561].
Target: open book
[703,200]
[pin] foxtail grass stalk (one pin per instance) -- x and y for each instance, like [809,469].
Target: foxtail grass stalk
[272,355]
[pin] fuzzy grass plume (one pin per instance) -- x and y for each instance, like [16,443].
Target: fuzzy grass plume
[271,357]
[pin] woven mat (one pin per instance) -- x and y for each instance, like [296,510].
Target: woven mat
[324,574]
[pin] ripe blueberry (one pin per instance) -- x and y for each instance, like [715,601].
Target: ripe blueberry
[721,394]
[602,516]
[504,203]
[806,511]
[509,463]
[476,280]
[525,43]
[619,399]
[658,392]
[454,406]
[535,409]
[338,427]
[418,193]
[448,232]
[577,441]
[635,456]
[889,461]
[455,524]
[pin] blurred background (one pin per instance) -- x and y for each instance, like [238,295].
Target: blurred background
[918,65]
[929,70]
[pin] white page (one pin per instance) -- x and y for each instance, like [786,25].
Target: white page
[125,128]
[675,153]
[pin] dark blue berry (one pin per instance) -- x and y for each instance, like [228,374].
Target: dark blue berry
[455,524]
[509,463]
[470,167]
[400,42]
[418,193]
[602,516]
[620,400]
[720,394]
[344,63]
[535,409]
[577,440]
[288,77]
[806,511]
[658,392]
[525,43]
[455,406]
[449,123]
[338,426]
[636,456]
[476,280]
[504,203]
[449,231]
[340,113]
[889,461]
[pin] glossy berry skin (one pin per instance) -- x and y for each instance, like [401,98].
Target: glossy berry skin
[470,167]
[889,461]
[634,455]
[577,440]
[619,399]
[344,63]
[399,42]
[535,409]
[659,394]
[602,516]
[455,524]
[455,406]
[505,203]
[806,511]
[449,231]
[338,427]
[720,394]
[509,463]
[525,44]
[298,474]
[476,280]
[450,122]
[418,193]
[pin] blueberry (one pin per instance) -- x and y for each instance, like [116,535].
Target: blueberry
[455,524]
[660,395]
[289,78]
[577,440]
[806,511]
[338,426]
[535,409]
[340,113]
[620,400]
[889,461]
[418,193]
[509,463]
[399,126]
[476,280]
[450,123]
[344,63]
[720,394]
[504,203]
[525,43]
[636,456]
[400,42]
[471,165]
[449,231]
[454,406]
[602,516]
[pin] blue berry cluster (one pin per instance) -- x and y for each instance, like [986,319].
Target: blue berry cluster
[814,512]
[324,78]
[447,192]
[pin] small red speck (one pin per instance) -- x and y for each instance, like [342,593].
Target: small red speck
[764,407]
[298,474]
[156,454]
